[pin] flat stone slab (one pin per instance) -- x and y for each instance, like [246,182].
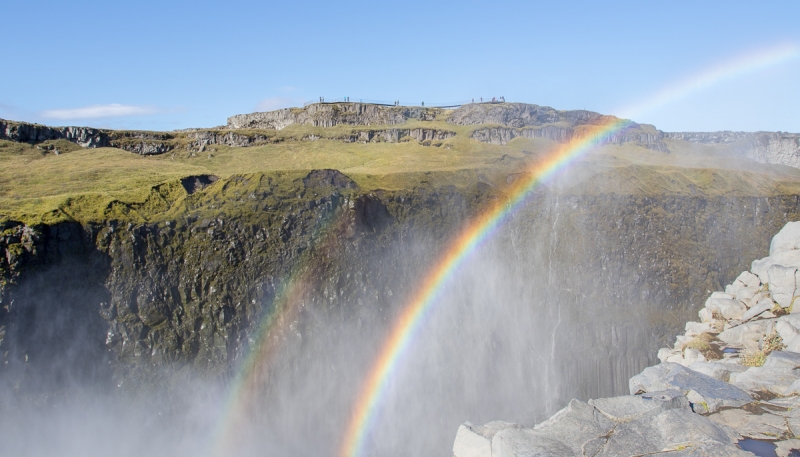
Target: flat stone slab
[675,430]
[774,380]
[782,359]
[784,448]
[756,426]
[564,434]
[712,392]
[717,370]
[629,407]
[581,429]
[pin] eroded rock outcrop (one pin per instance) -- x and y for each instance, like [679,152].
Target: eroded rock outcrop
[331,114]
[765,147]
[24,132]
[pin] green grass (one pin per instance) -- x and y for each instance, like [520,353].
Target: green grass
[83,184]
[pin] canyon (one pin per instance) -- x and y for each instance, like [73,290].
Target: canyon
[174,275]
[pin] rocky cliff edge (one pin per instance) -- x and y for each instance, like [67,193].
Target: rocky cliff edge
[731,381]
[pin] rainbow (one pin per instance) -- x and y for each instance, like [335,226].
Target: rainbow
[481,227]
[268,341]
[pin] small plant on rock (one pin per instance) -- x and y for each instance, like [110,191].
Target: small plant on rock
[702,343]
[773,342]
[754,359]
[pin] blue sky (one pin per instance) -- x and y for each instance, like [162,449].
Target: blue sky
[169,65]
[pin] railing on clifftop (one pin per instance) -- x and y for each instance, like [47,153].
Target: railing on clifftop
[324,101]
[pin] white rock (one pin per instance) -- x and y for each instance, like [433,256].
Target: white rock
[469,443]
[692,355]
[746,294]
[782,284]
[681,341]
[782,359]
[788,327]
[706,316]
[717,370]
[665,353]
[722,295]
[760,295]
[749,280]
[785,258]
[675,358]
[696,328]
[749,332]
[729,309]
[765,304]
[475,440]
[787,239]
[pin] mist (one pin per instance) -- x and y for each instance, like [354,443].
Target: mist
[569,298]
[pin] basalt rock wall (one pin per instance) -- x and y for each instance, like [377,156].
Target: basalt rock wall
[331,114]
[616,275]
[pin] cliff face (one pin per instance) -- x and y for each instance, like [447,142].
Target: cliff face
[34,133]
[331,114]
[764,147]
[192,290]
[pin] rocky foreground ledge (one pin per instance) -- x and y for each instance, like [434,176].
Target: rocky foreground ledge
[732,378]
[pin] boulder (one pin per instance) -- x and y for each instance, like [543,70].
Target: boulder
[699,388]
[640,425]
[765,304]
[564,434]
[786,259]
[788,327]
[762,426]
[666,353]
[677,430]
[765,379]
[787,239]
[782,359]
[626,408]
[706,315]
[691,355]
[785,448]
[748,332]
[717,370]
[697,328]
[782,284]
[728,308]
[475,440]
[749,280]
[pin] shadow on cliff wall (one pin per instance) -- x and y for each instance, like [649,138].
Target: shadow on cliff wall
[54,335]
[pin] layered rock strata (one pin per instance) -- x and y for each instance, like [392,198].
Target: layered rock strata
[331,114]
[732,376]
[765,147]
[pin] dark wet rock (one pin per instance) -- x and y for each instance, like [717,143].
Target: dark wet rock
[193,184]
[332,178]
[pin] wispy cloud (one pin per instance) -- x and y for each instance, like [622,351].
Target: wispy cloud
[99,112]
[273,103]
